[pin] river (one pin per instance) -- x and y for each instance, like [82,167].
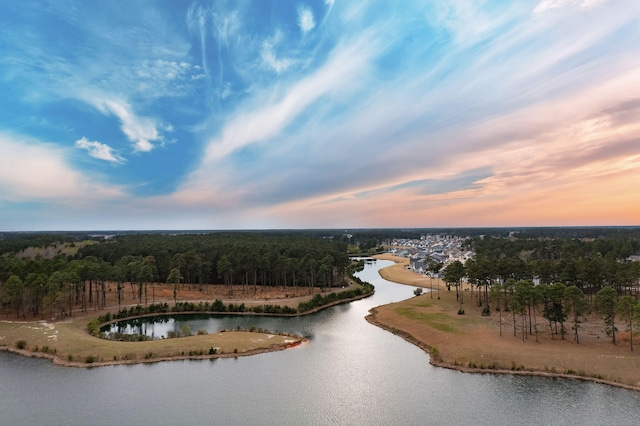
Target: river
[350,372]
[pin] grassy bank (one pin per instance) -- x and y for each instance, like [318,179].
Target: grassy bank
[68,343]
[472,342]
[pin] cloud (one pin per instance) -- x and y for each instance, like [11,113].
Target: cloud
[306,21]
[269,58]
[227,24]
[142,131]
[35,171]
[99,150]
[197,23]
[546,5]
[399,113]
[291,141]
[259,123]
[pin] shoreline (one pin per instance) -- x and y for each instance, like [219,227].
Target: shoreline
[436,360]
[75,328]
[247,314]
[59,361]
[371,319]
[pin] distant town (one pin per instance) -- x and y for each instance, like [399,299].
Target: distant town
[430,249]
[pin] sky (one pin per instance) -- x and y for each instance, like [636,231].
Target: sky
[266,114]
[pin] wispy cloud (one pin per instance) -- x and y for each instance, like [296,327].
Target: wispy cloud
[306,22]
[269,57]
[546,5]
[259,123]
[99,150]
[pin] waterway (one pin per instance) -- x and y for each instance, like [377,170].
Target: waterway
[350,372]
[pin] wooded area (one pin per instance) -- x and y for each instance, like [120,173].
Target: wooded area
[562,279]
[33,286]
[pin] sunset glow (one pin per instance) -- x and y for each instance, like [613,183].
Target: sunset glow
[319,114]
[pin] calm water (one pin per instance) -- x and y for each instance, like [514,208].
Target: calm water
[349,373]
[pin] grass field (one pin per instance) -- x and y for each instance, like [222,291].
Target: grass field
[472,342]
[69,343]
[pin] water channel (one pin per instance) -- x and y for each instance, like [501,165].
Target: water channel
[350,372]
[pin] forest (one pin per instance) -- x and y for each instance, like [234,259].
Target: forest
[74,274]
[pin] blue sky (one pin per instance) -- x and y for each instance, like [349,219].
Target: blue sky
[316,114]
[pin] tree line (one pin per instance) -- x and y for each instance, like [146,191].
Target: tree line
[561,279]
[57,286]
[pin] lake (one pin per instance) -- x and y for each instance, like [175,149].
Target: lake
[349,372]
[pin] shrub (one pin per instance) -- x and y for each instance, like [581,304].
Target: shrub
[212,351]
[186,330]
[89,359]
[94,326]
[417,291]
[21,344]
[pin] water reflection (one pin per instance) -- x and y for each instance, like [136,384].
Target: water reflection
[165,326]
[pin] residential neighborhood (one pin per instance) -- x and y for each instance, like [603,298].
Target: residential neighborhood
[442,249]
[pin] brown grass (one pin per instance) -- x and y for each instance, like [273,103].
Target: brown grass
[72,343]
[472,342]
[69,338]
[68,343]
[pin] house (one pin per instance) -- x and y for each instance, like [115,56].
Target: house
[417,265]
